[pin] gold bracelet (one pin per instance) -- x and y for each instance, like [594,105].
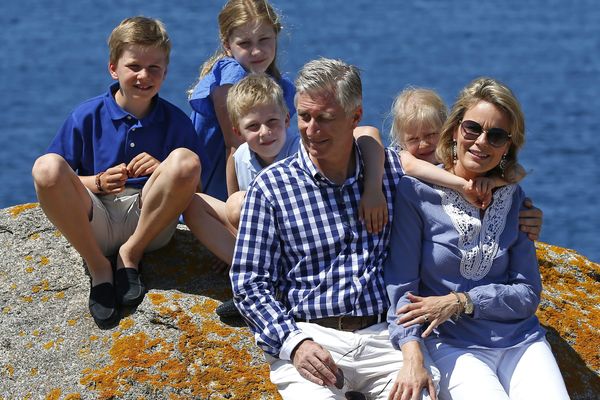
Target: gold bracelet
[461,306]
[98,183]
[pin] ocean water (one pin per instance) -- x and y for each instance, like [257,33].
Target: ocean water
[54,55]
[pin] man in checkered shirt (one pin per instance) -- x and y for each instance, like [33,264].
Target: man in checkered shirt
[307,275]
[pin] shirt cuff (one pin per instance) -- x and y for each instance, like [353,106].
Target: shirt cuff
[290,344]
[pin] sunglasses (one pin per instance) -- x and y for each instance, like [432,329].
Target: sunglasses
[497,137]
[352,394]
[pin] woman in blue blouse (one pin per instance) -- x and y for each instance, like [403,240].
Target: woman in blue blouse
[466,281]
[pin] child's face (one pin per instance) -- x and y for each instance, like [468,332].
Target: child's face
[421,143]
[263,128]
[140,71]
[253,45]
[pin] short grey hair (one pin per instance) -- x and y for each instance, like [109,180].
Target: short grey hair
[331,77]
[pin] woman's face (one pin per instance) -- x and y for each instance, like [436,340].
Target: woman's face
[477,156]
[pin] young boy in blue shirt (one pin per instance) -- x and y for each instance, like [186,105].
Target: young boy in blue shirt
[122,168]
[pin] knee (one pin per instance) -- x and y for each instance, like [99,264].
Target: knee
[48,170]
[233,207]
[187,165]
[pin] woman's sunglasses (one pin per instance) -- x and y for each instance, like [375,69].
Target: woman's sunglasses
[497,137]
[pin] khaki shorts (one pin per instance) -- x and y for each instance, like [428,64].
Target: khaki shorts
[115,218]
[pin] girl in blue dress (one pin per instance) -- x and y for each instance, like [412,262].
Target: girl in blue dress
[248,31]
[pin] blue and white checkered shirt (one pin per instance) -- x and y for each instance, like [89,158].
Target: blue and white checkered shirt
[302,252]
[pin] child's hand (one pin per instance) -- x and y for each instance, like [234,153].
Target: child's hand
[373,210]
[479,192]
[141,165]
[113,179]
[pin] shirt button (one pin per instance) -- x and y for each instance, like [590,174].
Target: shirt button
[129,117]
[132,129]
[131,144]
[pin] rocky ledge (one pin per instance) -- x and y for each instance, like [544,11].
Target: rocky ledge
[174,346]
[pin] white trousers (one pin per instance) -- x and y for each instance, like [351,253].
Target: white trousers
[370,367]
[520,373]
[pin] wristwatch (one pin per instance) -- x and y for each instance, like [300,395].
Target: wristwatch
[468,304]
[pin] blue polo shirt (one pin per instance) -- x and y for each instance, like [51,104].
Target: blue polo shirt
[99,134]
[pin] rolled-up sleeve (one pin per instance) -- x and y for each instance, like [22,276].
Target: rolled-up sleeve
[255,273]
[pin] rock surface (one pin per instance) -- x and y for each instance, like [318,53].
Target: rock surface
[174,346]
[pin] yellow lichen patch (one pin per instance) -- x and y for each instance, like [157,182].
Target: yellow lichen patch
[45,298]
[84,351]
[57,234]
[49,345]
[16,210]
[73,396]
[54,394]
[33,372]
[29,270]
[203,362]
[6,310]
[44,260]
[43,285]
[13,286]
[28,258]
[157,298]
[36,332]
[126,323]
[93,338]
[72,322]
[27,299]
[10,370]
[59,295]
[28,345]
[22,333]
[34,236]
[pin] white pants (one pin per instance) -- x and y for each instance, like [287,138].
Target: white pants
[520,373]
[371,368]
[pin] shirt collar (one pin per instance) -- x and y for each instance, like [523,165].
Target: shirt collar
[321,179]
[117,113]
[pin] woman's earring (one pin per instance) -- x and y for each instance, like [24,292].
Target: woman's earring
[454,155]
[502,164]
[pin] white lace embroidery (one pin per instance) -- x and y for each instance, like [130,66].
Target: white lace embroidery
[477,240]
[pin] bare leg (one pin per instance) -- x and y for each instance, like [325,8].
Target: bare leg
[68,206]
[233,206]
[206,218]
[164,197]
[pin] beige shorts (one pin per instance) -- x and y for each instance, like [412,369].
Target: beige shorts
[115,218]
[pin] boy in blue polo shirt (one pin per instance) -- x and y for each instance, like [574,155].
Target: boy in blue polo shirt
[121,169]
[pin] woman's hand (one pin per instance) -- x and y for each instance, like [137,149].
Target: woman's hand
[412,378]
[434,310]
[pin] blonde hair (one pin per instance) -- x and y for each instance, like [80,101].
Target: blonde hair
[499,95]
[415,109]
[141,31]
[234,14]
[251,91]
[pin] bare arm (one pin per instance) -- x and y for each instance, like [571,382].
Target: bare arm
[373,207]
[412,377]
[232,182]
[219,98]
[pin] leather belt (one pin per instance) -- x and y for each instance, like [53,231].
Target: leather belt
[346,322]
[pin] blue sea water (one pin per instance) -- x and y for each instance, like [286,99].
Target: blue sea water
[54,55]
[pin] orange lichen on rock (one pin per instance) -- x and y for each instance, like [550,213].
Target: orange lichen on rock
[569,306]
[16,210]
[204,363]
[54,394]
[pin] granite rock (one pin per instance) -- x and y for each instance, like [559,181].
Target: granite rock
[174,346]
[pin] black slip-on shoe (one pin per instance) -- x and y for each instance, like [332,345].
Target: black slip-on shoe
[227,310]
[129,287]
[103,306]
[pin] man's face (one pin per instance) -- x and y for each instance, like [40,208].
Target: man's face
[324,126]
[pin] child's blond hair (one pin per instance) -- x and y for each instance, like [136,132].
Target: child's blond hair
[415,109]
[138,30]
[251,91]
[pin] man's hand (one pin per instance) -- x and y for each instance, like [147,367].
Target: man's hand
[530,221]
[412,378]
[113,179]
[141,165]
[314,363]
